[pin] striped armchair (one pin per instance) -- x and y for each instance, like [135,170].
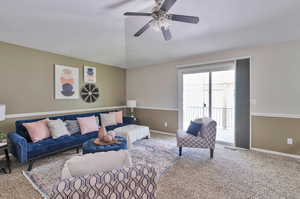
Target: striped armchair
[206,140]
[133,182]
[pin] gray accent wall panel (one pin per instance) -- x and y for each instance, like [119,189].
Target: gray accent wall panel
[242,104]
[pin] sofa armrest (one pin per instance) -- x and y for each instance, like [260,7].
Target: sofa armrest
[120,183]
[18,147]
[128,120]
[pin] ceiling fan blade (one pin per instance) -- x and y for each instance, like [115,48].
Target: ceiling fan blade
[166,33]
[137,14]
[184,18]
[167,5]
[143,29]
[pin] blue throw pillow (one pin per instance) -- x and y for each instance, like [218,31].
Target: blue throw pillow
[194,128]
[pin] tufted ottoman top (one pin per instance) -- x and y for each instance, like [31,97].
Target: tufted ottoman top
[90,147]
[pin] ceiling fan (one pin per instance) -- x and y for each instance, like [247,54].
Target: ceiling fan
[161,18]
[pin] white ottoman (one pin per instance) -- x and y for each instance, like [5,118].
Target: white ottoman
[133,133]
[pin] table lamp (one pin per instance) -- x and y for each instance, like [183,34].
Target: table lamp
[131,104]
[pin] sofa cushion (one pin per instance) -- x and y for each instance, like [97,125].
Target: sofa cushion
[38,130]
[119,117]
[72,126]
[57,128]
[52,145]
[93,163]
[85,137]
[21,130]
[88,124]
[108,119]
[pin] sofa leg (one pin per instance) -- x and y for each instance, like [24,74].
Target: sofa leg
[211,153]
[180,151]
[77,149]
[30,165]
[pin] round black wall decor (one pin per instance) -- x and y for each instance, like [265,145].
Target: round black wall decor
[89,93]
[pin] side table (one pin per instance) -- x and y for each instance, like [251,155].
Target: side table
[4,146]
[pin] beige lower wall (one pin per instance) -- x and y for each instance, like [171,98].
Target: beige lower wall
[268,133]
[155,119]
[271,133]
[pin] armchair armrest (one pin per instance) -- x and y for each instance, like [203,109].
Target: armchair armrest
[121,183]
[18,147]
[128,120]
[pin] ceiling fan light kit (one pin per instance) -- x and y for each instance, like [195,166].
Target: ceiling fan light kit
[161,18]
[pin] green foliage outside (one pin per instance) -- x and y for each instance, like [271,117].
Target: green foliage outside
[2,136]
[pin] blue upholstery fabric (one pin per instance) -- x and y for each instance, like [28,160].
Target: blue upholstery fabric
[18,147]
[52,145]
[24,149]
[194,129]
[128,120]
[90,147]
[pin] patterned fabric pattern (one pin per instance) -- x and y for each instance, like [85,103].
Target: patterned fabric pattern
[73,126]
[127,183]
[207,140]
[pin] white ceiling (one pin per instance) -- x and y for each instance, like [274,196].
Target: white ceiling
[97,31]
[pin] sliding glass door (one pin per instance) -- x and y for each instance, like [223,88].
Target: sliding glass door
[211,94]
[195,97]
[223,94]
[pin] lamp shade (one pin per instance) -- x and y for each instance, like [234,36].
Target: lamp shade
[131,103]
[2,112]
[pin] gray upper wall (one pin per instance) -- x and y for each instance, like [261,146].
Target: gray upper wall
[27,81]
[274,85]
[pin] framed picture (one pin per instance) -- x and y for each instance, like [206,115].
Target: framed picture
[89,74]
[66,82]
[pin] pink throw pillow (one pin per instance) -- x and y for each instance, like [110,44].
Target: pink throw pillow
[38,130]
[119,117]
[88,124]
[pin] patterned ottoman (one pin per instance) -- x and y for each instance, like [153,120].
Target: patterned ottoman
[90,147]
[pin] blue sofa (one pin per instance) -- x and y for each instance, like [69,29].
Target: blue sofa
[26,151]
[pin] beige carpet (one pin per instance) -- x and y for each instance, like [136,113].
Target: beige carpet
[232,174]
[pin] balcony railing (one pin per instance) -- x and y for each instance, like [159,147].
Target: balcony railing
[222,115]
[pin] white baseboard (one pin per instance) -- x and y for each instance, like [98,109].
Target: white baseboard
[162,132]
[276,153]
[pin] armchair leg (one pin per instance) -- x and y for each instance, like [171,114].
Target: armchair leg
[211,153]
[30,165]
[180,151]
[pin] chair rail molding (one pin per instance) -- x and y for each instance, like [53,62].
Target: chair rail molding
[279,115]
[20,115]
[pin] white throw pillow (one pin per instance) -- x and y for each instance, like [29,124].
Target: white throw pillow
[97,162]
[108,119]
[57,128]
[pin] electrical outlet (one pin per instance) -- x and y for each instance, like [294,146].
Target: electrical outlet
[166,124]
[290,141]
